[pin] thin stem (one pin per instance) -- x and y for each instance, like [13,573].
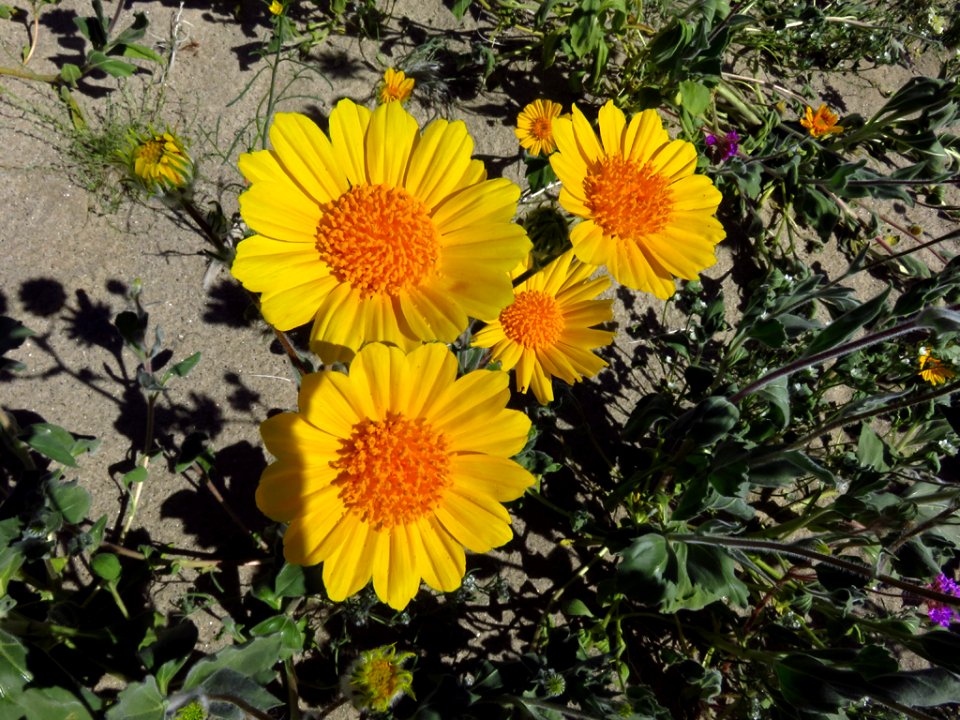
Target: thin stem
[850,419]
[776,548]
[116,17]
[25,74]
[273,84]
[790,368]
[34,36]
[147,447]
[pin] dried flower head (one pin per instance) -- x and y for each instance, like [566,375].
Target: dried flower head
[822,122]
[377,679]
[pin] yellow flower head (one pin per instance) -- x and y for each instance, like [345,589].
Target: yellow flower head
[547,331]
[379,233]
[377,679]
[535,126]
[158,161]
[822,122]
[396,87]
[646,215]
[390,471]
[934,371]
[276,7]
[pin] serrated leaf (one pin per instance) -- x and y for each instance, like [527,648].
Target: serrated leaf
[139,701]
[13,665]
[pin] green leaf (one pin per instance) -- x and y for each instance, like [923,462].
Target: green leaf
[940,320]
[808,683]
[106,566]
[871,449]
[138,474]
[141,52]
[706,423]
[694,97]
[254,659]
[786,467]
[139,701]
[643,567]
[132,33]
[11,559]
[460,7]
[291,633]
[96,60]
[13,665]
[52,702]
[53,442]
[70,73]
[919,688]
[777,394]
[847,324]
[227,682]
[70,500]
[183,368]
[577,608]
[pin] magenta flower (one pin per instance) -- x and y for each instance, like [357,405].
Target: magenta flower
[938,612]
[723,148]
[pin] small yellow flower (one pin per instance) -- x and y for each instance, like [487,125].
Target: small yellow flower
[276,7]
[549,330]
[934,371]
[377,679]
[396,87]
[822,122]
[535,126]
[158,161]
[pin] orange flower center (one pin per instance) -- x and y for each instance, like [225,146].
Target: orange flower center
[533,320]
[627,200]
[392,471]
[378,239]
[382,681]
[541,128]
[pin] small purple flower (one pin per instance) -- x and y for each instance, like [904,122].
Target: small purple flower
[939,613]
[723,148]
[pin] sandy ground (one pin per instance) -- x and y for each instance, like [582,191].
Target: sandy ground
[66,267]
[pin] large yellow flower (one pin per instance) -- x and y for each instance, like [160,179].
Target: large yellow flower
[547,331]
[391,470]
[646,216]
[379,233]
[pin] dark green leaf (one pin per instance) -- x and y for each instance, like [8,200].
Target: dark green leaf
[227,682]
[254,659]
[96,60]
[13,665]
[577,608]
[847,324]
[139,701]
[291,634]
[777,394]
[183,368]
[784,468]
[52,702]
[459,8]
[106,566]
[70,500]
[138,474]
[871,449]
[706,423]
[51,441]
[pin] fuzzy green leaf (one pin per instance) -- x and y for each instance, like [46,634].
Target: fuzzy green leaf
[13,665]
[70,500]
[847,324]
[139,701]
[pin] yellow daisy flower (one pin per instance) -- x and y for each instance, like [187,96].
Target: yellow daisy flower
[646,215]
[392,470]
[379,233]
[158,161]
[934,371]
[547,331]
[535,126]
[396,87]
[821,122]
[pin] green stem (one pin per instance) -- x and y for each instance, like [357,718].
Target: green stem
[25,74]
[273,84]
